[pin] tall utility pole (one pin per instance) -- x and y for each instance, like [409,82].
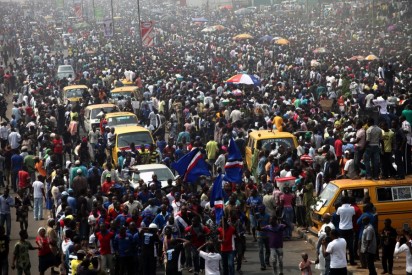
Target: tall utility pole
[373,16]
[113,29]
[140,23]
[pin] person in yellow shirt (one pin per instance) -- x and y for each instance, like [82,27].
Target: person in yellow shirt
[278,122]
[75,263]
[211,150]
[388,138]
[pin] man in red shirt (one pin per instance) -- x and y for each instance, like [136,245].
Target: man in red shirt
[58,149]
[338,147]
[197,235]
[107,184]
[24,178]
[105,238]
[227,235]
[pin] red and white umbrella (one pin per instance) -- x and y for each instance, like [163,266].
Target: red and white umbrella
[244,79]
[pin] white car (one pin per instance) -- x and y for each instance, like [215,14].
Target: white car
[146,171]
[65,71]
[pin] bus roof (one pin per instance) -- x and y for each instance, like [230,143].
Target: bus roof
[116,114]
[124,89]
[71,87]
[99,106]
[267,134]
[349,183]
[130,129]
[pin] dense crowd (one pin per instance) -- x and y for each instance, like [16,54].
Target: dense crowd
[99,224]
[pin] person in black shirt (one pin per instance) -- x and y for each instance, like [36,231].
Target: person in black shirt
[172,255]
[388,241]
[149,241]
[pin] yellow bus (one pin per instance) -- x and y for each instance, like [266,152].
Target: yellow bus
[118,119]
[391,198]
[73,93]
[262,140]
[125,135]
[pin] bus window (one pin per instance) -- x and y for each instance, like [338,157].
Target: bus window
[358,194]
[384,194]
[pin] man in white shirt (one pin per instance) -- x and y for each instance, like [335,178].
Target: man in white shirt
[14,139]
[406,247]
[337,251]
[38,195]
[327,221]
[346,213]
[212,259]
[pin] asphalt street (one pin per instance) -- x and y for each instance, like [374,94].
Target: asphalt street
[292,249]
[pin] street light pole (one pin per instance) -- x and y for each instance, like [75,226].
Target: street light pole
[113,29]
[373,16]
[140,27]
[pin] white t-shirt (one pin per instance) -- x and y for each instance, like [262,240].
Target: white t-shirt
[211,262]
[346,212]
[337,251]
[37,189]
[350,168]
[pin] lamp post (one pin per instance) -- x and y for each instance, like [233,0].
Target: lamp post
[140,28]
[113,29]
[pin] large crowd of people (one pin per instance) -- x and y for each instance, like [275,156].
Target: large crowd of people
[97,223]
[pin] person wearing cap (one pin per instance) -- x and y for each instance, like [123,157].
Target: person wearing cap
[46,257]
[79,184]
[148,243]
[73,171]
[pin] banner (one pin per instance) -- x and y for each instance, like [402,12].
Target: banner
[108,27]
[147,34]
[78,11]
[98,13]
[60,4]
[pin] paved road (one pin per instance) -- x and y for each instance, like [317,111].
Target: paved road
[292,249]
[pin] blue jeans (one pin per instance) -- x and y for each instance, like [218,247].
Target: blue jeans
[6,218]
[263,243]
[288,217]
[372,156]
[276,255]
[228,263]
[38,208]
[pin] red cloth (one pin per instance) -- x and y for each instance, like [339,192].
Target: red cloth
[58,146]
[106,187]
[338,148]
[24,179]
[104,240]
[45,247]
[196,240]
[227,244]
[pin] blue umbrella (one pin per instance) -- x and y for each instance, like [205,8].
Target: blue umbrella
[265,38]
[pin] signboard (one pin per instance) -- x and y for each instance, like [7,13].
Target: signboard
[98,13]
[108,27]
[78,11]
[147,34]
